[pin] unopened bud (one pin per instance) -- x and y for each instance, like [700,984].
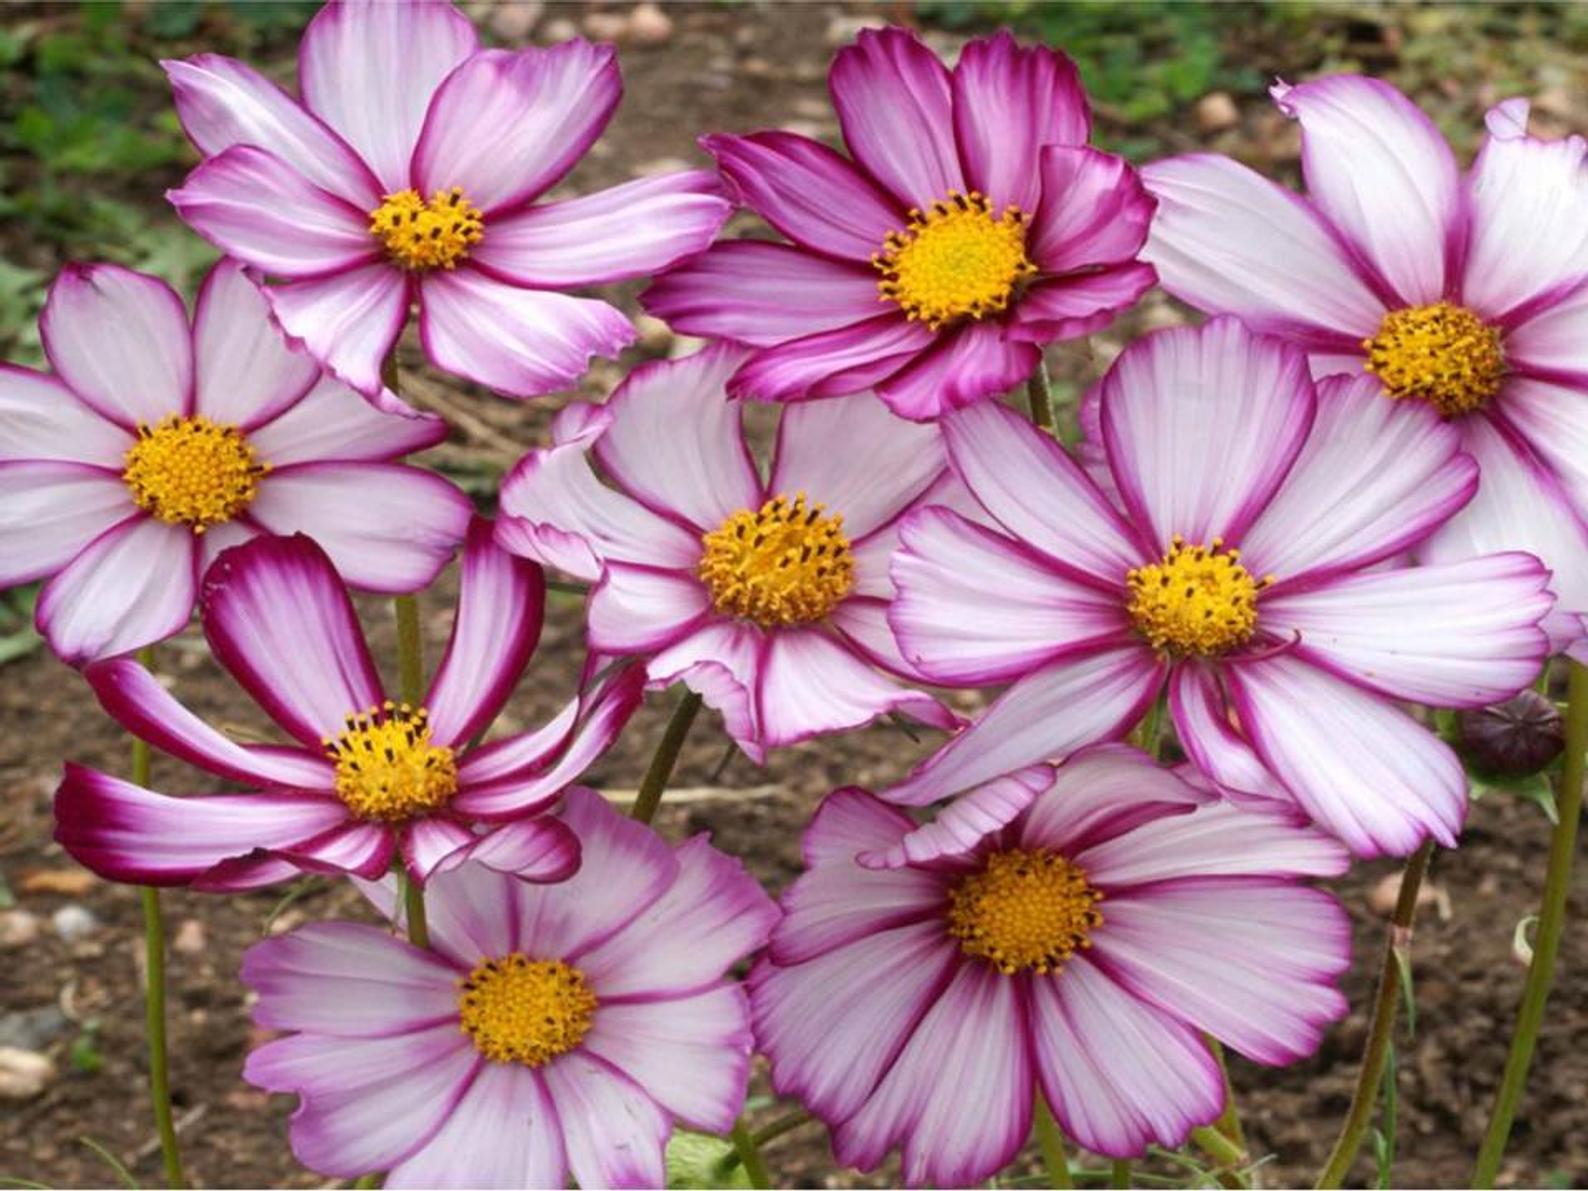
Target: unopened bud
[1512,739]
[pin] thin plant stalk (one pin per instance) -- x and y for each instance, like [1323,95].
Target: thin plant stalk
[750,1155]
[1119,1173]
[1050,1141]
[1380,1031]
[154,995]
[660,770]
[1229,1122]
[1039,397]
[411,679]
[1551,920]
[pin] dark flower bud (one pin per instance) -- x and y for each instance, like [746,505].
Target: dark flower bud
[1512,739]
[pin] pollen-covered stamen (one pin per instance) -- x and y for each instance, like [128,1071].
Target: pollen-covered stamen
[957,260]
[784,563]
[192,471]
[521,1010]
[424,235]
[1024,909]
[1443,354]
[1198,600]
[386,767]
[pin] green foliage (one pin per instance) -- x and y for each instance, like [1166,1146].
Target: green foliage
[701,1160]
[84,1055]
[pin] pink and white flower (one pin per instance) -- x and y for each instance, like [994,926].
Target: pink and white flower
[365,779]
[767,597]
[973,225]
[155,444]
[1241,568]
[1081,951]
[1463,292]
[553,1030]
[408,172]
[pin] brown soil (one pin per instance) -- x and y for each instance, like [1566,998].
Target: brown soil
[722,69]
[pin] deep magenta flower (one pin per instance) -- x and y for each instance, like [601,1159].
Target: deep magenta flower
[1236,559]
[1081,951]
[1463,292]
[973,225]
[409,173]
[768,597]
[156,444]
[553,1030]
[365,778]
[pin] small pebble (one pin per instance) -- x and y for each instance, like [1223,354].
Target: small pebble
[32,1029]
[73,922]
[189,938]
[24,1074]
[558,30]
[1216,112]
[18,928]
[606,26]
[1382,897]
[516,21]
[649,25]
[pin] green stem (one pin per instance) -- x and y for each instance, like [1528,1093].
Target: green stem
[1385,1006]
[654,784]
[1551,920]
[414,910]
[1050,1140]
[410,650]
[749,1155]
[1119,1173]
[1216,1144]
[1040,397]
[1229,1122]
[154,998]
[785,1124]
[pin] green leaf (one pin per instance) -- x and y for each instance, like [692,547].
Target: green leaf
[701,1160]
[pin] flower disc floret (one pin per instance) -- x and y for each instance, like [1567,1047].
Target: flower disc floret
[1443,354]
[422,235]
[958,260]
[192,471]
[521,1010]
[386,767]
[787,562]
[1198,601]
[1025,909]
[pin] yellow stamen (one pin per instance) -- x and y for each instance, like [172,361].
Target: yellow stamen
[419,235]
[386,767]
[192,471]
[958,260]
[1198,600]
[1024,909]
[785,563]
[1442,354]
[521,1010]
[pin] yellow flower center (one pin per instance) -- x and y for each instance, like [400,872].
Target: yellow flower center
[956,261]
[1198,600]
[419,235]
[1024,909]
[784,563]
[386,767]
[1443,354]
[521,1010]
[192,471]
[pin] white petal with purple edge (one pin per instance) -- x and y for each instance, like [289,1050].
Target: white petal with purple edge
[1202,722]
[49,511]
[636,610]
[1553,419]
[45,420]
[1381,172]
[722,664]
[246,375]
[120,342]
[505,1132]
[1551,342]
[369,70]
[1362,768]
[847,359]
[966,821]
[614,1133]
[539,849]
[334,422]
[1102,794]
[964,366]
[522,342]
[348,321]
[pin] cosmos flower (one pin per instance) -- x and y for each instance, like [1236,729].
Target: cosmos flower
[1080,951]
[1239,564]
[767,597]
[1466,293]
[553,1030]
[408,172]
[155,444]
[972,226]
[365,778]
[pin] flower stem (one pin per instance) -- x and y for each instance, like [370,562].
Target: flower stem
[1551,919]
[1040,397]
[660,770]
[154,997]
[1229,1122]
[1213,1142]
[1119,1173]
[410,650]
[414,910]
[749,1155]
[1050,1140]
[1385,1006]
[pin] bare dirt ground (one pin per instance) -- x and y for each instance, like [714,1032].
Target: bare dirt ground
[76,994]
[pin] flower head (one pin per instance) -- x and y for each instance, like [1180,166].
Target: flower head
[156,443]
[367,778]
[553,1030]
[1234,554]
[971,225]
[765,596]
[408,171]
[1081,949]
[1459,292]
